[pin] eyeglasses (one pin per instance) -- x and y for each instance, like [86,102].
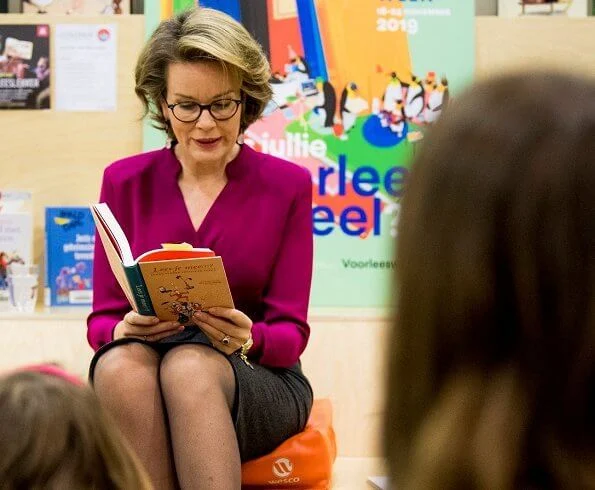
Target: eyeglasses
[220,110]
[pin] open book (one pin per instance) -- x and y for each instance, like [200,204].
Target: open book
[170,283]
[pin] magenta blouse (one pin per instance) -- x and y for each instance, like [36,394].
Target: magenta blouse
[260,224]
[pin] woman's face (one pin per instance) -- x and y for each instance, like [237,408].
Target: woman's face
[206,140]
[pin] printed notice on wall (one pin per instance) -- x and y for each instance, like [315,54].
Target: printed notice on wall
[85,67]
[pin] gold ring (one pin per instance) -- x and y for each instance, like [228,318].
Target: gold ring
[225,340]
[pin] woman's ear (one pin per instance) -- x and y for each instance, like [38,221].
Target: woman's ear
[164,109]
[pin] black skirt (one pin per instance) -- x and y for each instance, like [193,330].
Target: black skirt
[271,404]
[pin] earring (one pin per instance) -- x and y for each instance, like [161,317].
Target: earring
[240,139]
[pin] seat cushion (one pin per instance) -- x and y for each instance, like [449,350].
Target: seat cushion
[304,461]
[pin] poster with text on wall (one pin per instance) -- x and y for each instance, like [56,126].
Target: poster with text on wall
[357,84]
[86,60]
[24,66]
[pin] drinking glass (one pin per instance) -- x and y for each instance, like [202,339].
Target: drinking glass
[22,286]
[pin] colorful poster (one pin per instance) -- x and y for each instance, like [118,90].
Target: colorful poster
[357,85]
[24,66]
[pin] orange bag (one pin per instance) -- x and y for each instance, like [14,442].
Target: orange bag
[304,461]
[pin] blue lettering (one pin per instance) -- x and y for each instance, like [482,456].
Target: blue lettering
[377,209]
[366,175]
[327,217]
[394,180]
[346,220]
[342,174]
[323,172]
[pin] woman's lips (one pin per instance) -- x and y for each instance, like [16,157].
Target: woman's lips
[207,142]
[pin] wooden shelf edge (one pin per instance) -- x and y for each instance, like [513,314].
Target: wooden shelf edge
[316,315]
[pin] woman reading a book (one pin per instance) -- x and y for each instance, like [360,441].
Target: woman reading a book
[196,399]
[492,365]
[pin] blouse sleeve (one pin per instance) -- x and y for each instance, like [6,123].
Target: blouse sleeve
[281,337]
[109,302]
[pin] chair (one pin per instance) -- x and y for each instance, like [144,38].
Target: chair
[304,461]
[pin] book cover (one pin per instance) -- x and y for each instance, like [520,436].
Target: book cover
[70,239]
[16,235]
[178,288]
[171,283]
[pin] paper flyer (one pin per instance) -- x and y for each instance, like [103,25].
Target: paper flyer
[86,67]
[24,66]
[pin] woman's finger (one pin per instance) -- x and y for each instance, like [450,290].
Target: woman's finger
[236,317]
[134,318]
[224,325]
[218,339]
[161,327]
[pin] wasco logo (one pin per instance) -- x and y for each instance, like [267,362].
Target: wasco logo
[282,469]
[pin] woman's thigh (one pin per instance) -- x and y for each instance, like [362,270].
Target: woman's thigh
[273,404]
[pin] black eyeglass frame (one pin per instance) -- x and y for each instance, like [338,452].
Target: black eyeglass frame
[202,107]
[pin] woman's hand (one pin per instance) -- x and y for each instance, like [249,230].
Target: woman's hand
[228,329]
[145,327]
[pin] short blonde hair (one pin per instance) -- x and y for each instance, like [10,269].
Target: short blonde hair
[55,435]
[203,34]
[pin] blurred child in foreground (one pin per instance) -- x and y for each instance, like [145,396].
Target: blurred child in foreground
[492,372]
[54,435]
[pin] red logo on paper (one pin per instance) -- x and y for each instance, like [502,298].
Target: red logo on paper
[42,30]
[103,34]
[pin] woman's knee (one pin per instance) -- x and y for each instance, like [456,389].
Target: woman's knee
[126,368]
[197,369]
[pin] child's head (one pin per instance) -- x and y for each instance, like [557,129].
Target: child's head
[55,435]
[491,360]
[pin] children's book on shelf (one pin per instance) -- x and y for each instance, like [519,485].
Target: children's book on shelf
[69,240]
[172,282]
[16,235]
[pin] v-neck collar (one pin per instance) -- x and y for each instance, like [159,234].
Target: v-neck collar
[234,170]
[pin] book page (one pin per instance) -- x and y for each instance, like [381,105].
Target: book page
[114,259]
[105,219]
